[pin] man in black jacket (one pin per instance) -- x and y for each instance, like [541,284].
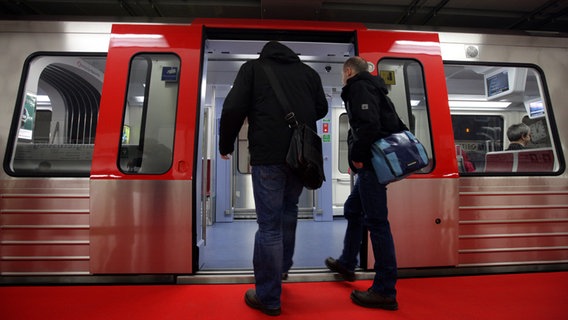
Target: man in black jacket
[370,118]
[276,188]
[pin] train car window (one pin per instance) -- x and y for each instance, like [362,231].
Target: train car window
[501,119]
[243,155]
[54,123]
[150,109]
[343,147]
[405,82]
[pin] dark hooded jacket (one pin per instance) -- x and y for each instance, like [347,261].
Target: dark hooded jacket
[253,98]
[371,115]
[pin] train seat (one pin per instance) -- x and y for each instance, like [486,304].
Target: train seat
[500,161]
[528,160]
[537,160]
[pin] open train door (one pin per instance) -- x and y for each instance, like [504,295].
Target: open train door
[423,209]
[143,162]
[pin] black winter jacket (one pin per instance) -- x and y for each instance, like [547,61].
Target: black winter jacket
[371,115]
[252,97]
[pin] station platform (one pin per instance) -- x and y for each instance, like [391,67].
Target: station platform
[540,296]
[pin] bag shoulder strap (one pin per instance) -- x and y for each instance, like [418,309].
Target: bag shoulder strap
[390,104]
[290,116]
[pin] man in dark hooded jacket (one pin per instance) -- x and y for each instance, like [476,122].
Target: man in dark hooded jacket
[370,118]
[276,188]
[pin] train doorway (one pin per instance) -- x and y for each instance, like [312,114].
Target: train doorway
[424,207]
[227,218]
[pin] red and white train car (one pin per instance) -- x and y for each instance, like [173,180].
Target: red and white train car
[111,169]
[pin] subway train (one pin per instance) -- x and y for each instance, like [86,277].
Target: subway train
[111,170]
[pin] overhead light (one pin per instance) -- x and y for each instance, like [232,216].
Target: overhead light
[478,105]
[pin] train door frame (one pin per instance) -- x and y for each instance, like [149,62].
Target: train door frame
[221,185]
[435,193]
[147,226]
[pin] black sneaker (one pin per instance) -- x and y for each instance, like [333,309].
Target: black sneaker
[252,301]
[335,266]
[371,299]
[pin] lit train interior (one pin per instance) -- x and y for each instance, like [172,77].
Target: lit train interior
[230,213]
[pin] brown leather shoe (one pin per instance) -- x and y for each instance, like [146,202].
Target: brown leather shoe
[335,266]
[371,299]
[252,301]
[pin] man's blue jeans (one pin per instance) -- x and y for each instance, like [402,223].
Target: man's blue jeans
[276,194]
[366,206]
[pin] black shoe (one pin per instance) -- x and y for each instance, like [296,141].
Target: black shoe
[335,266]
[371,299]
[252,301]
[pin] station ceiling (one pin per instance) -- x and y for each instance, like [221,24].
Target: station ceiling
[545,17]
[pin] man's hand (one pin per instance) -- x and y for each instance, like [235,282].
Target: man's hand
[357,165]
[226,156]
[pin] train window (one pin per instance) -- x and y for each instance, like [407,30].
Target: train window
[405,81]
[501,119]
[243,156]
[343,164]
[149,114]
[54,125]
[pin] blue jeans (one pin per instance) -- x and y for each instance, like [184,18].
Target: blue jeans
[366,206]
[276,194]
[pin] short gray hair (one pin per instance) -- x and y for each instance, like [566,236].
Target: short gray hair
[517,131]
[356,63]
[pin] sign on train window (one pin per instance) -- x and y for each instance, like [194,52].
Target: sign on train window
[55,120]
[147,138]
[501,120]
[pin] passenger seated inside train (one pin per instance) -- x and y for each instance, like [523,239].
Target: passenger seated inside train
[519,136]
[518,157]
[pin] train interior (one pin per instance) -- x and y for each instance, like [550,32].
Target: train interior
[228,212]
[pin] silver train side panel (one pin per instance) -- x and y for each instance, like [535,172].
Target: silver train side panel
[422,214]
[44,222]
[515,220]
[143,227]
[45,227]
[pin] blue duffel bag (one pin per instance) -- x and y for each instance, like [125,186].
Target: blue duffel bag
[397,156]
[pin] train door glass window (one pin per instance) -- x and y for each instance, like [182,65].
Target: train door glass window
[149,114]
[405,81]
[243,156]
[343,147]
[501,119]
[54,125]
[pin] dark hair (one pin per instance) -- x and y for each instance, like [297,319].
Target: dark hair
[356,63]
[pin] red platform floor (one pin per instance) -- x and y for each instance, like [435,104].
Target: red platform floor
[542,296]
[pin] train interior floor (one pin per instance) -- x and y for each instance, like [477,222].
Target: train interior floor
[230,245]
[507,296]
